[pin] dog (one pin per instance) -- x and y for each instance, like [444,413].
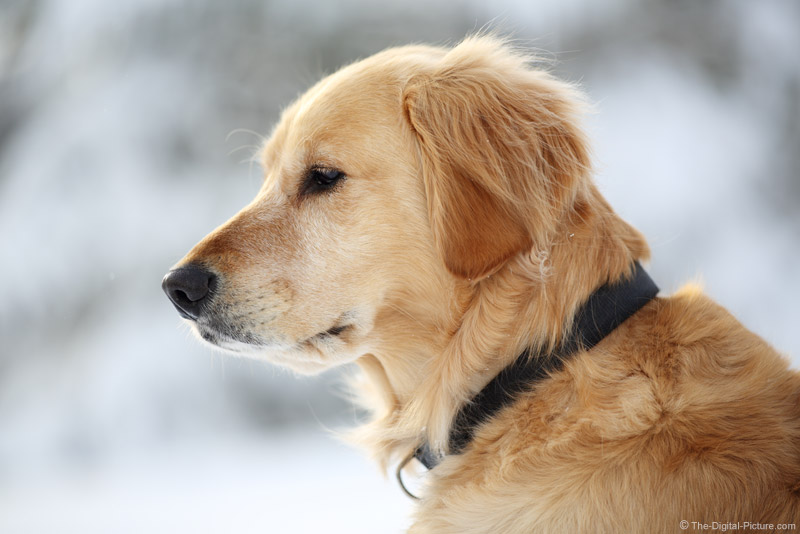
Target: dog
[429,214]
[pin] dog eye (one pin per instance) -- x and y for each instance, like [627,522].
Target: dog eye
[319,180]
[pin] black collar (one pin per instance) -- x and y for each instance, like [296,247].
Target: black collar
[607,308]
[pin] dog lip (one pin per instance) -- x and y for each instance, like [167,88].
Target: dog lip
[185,315]
[220,336]
[335,331]
[208,336]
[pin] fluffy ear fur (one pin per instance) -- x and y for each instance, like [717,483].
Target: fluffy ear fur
[502,155]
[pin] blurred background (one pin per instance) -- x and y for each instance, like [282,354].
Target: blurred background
[126,130]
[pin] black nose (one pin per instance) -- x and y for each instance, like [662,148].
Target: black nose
[189,288]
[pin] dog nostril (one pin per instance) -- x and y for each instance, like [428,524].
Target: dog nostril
[193,293]
[189,288]
[180,295]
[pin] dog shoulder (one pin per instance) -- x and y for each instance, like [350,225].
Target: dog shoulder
[680,401]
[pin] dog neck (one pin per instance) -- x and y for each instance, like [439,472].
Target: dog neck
[608,307]
[528,304]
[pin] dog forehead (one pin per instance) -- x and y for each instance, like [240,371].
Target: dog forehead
[364,93]
[345,104]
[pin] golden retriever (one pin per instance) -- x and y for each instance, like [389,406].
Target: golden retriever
[429,214]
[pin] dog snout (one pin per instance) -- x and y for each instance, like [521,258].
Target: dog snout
[189,288]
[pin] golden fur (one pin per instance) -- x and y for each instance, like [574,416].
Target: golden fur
[466,229]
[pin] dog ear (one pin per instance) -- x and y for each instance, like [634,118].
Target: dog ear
[502,155]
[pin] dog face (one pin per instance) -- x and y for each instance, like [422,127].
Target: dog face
[300,275]
[390,188]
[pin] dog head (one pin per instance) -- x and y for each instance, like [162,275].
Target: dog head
[391,189]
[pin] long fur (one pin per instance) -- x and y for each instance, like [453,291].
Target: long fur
[467,229]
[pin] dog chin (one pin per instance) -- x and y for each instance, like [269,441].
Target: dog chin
[304,360]
[312,356]
[307,357]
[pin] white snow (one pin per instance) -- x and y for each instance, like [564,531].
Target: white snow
[303,481]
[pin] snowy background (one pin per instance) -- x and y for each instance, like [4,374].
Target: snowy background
[126,129]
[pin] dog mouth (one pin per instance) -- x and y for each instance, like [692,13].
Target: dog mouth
[332,333]
[341,326]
